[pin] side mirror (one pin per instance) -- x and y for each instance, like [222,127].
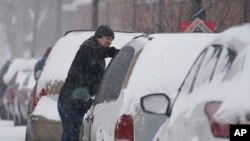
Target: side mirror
[38,74]
[158,103]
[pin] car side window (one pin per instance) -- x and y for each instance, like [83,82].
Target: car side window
[227,57]
[235,67]
[192,73]
[114,76]
[208,65]
[203,69]
[212,65]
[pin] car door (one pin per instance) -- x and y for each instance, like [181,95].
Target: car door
[197,76]
[101,118]
[210,69]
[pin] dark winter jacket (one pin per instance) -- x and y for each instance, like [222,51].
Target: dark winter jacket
[87,68]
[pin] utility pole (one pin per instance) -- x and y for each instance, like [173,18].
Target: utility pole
[196,10]
[161,15]
[59,16]
[134,15]
[246,6]
[35,27]
[95,14]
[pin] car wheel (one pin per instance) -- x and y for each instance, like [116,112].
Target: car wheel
[16,123]
[23,120]
[3,115]
[27,135]
[9,116]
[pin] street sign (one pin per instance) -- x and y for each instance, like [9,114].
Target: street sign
[197,26]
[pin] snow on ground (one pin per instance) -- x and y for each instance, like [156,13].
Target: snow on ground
[8,132]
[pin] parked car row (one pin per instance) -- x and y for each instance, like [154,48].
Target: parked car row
[44,119]
[23,94]
[197,104]
[156,63]
[3,87]
[16,80]
[163,86]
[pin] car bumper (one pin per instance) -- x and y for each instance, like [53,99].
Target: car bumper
[40,128]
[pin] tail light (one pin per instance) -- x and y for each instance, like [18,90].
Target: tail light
[218,129]
[34,96]
[124,129]
[37,98]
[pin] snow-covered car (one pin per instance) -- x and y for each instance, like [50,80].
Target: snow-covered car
[26,82]
[38,68]
[13,80]
[157,63]
[3,87]
[45,120]
[213,96]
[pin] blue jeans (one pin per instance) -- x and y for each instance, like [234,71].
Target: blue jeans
[71,117]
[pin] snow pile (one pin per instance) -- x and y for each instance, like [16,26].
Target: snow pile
[47,107]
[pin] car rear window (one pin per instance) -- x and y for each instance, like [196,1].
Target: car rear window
[114,76]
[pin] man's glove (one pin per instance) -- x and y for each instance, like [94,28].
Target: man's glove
[113,51]
[81,94]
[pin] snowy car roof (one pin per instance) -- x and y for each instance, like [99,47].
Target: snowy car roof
[63,53]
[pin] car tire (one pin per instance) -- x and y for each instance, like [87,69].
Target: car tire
[23,120]
[27,135]
[16,123]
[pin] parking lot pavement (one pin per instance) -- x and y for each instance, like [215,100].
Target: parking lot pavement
[8,132]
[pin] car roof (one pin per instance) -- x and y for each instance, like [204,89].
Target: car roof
[232,38]
[18,64]
[63,52]
[228,91]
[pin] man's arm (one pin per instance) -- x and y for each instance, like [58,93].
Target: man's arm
[104,52]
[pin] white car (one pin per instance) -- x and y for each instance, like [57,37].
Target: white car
[14,80]
[26,81]
[213,96]
[45,118]
[157,63]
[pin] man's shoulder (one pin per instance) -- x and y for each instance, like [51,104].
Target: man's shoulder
[89,42]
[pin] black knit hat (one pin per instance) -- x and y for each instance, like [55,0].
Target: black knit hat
[104,30]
